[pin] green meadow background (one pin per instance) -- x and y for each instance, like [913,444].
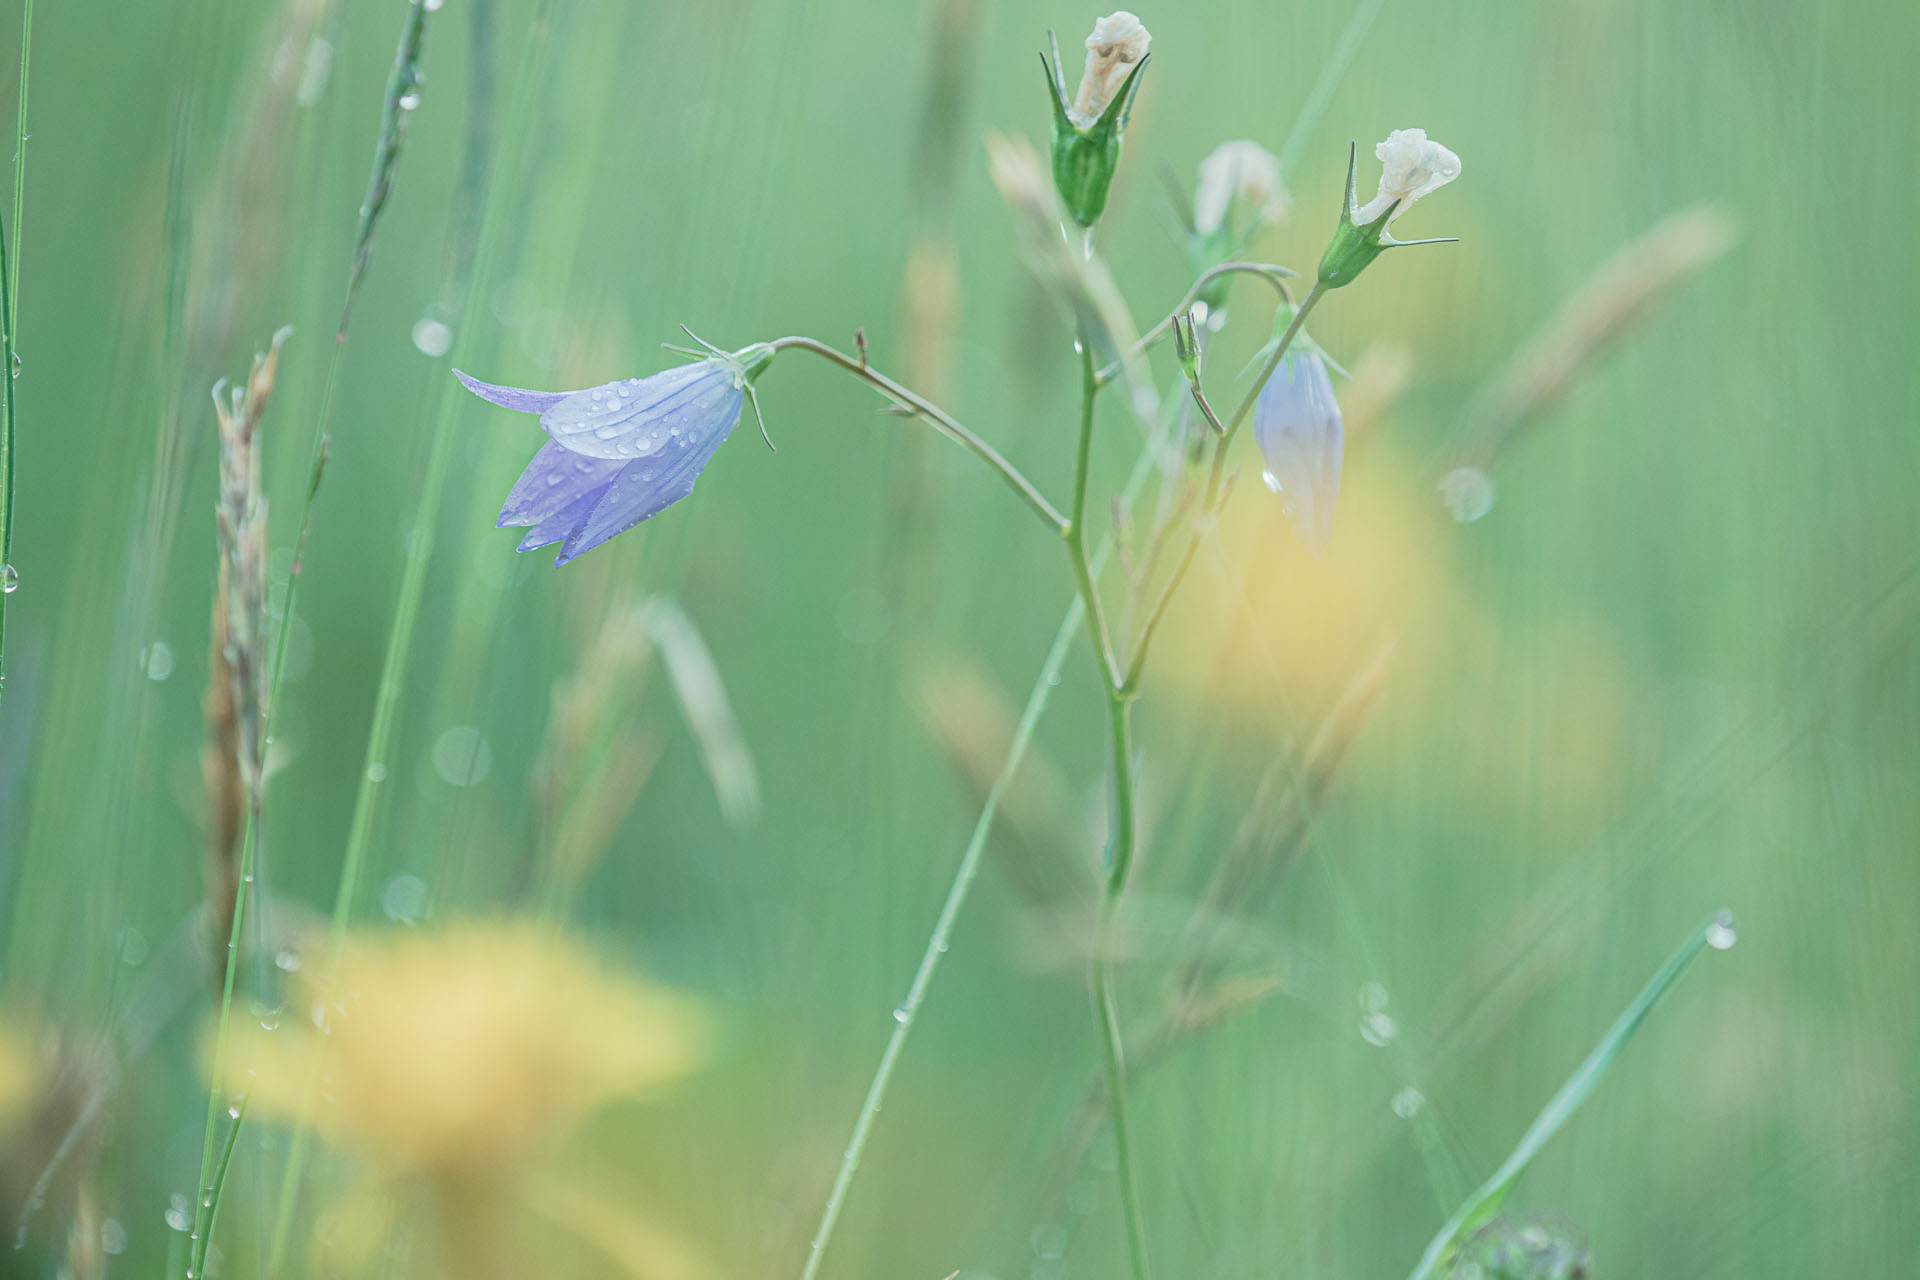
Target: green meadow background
[1674,668]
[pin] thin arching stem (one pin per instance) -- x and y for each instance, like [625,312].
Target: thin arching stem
[1272,274]
[1076,531]
[946,423]
[1215,495]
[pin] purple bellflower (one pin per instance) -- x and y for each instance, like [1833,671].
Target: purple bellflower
[624,451]
[1296,423]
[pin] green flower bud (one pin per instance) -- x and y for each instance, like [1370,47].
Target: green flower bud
[1087,134]
[1413,167]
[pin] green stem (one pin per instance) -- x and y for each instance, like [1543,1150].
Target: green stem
[1267,271]
[906,1015]
[9,311]
[1203,519]
[212,1165]
[1120,850]
[945,422]
[1076,528]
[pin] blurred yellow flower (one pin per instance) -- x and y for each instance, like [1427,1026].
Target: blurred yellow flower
[1281,629]
[19,1077]
[460,1050]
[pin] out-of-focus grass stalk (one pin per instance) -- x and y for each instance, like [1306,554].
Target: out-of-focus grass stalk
[9,313]
[407,607]
[1484,1203]
[239,722]
[908,1011]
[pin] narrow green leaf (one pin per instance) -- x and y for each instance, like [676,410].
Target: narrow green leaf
[1483,1204]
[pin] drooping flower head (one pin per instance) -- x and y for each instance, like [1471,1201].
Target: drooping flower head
[1241,171]
[621,452]
[1296,423]
[1412,165]
[1239,191]
[1087,131]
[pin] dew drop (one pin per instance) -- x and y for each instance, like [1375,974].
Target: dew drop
[462,757]
[9,579]
[1721,933]
[113,1236]
[1379,1029]
[156,661]
[901,1013]
[404,899]
[1407,1102]
[1271,480]
[408,100]
[177,1216]
[287,961]
[1467,493]
[376,773]
[432,336]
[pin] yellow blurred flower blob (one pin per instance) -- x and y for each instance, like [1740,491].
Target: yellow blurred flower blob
[464,1048]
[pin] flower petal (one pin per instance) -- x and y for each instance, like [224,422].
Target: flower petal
[1296,423]
[555,480]
[647,486]
[518,398]
[638,417]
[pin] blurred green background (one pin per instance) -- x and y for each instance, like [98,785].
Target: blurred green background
[1673,668]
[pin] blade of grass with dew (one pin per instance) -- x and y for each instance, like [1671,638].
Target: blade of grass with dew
[9,313]
[407,607]
[1480,1208]
[208,1208]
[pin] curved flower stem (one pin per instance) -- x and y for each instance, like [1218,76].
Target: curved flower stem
[1076,529]
[1267,271]
[1120,849]
[1215,495]
[944,422]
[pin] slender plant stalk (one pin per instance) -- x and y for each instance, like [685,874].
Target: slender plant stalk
[906,1015]
[7,575]
[943,421]
[1121,846]
[20,151]
[212,1166]
[9,312]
